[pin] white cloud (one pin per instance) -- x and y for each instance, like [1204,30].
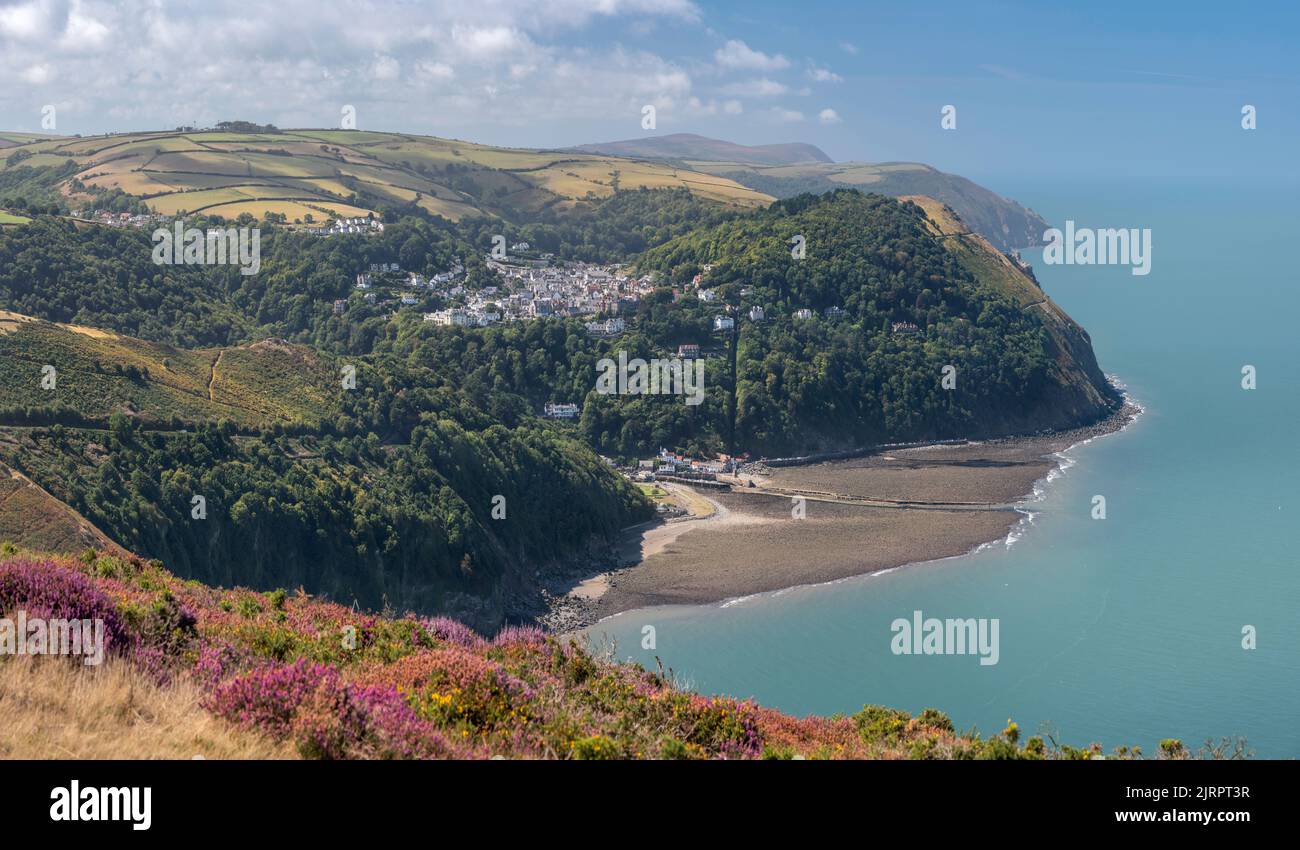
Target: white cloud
[736,55]
[756,88]
[828,116]
[824,75]
[487,43]
[37,74]
[385,68]
[435,70]
[25,21]
[849,48]
[83,32]
[437,66]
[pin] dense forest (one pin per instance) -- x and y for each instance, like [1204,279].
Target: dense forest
[455,519]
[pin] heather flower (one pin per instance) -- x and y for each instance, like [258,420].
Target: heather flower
[215,662]
[520,635]
[326,717]
[452,631]
[49,591]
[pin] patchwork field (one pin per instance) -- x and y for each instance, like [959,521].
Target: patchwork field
[350,173]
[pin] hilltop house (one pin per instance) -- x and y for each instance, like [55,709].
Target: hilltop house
[688,349]
[723,323]
[756,314]
[803,313]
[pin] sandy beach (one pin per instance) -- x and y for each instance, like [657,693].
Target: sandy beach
[859,516]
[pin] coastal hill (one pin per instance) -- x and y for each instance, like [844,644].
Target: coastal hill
[315,175]
[791,169]
[846,347]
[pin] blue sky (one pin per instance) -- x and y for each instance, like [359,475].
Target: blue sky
[1097,88]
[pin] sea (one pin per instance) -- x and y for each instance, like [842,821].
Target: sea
[1177,615]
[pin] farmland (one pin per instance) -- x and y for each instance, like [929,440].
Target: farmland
[330,173]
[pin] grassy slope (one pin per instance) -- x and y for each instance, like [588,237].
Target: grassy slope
[277,667]
[252,385]
[317,171]
[32,518]
[54,709]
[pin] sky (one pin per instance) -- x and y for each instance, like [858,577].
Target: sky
[1077,89]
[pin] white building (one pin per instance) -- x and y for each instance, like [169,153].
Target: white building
[561,411]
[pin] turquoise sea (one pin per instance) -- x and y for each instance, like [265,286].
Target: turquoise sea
[1125,630]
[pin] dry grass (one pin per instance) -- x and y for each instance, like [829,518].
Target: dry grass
[56,708]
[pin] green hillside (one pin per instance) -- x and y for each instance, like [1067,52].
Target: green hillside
[315,175]
[853,379]
[99,373]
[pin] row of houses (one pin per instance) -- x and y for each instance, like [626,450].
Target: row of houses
[356,224]
[463,317]
[116,219]
[671,463]
[570,290]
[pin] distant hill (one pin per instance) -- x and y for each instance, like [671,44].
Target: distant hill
[689,146]
[783,171]
[308,175]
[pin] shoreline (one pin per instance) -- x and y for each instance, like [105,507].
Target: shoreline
[864,515]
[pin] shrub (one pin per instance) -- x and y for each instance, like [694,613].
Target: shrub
[44,589]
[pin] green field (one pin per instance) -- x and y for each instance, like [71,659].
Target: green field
[10,218]
[350,173]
